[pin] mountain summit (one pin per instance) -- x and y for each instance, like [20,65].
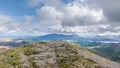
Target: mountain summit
[53,54]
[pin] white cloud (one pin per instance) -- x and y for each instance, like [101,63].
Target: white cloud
[59,17]
[7,24]
[28,19]
[48,13]
[72,17]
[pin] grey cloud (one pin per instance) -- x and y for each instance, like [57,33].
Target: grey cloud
[111,8]
[80,21]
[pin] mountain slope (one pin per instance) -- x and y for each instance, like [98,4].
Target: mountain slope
[108,50]
[53,54]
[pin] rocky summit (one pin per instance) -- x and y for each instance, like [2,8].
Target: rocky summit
[53,54]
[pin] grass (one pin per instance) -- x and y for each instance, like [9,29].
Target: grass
[30,50]
[32,63]
[67,56]
[43,42]
[11,58]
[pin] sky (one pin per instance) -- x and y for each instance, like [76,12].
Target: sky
[79,17]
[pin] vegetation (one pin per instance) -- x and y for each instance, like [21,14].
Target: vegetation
[69,58]
[32,63]
[11,58]
[29,50]
[43,42]
[54,54]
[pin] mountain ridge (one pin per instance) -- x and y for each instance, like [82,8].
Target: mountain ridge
[52,54]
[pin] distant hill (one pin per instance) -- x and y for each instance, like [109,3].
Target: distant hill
[73,37]
[108,50]
[58,37]
[53,54]
[12,42]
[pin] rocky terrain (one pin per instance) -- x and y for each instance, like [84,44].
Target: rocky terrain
[53,54]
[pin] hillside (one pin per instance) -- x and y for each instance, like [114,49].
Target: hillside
[4,48]
[108,50]
[53,54]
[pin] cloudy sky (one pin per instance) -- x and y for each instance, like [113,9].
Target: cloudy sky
[60,16]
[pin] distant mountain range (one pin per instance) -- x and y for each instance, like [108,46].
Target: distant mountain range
[78,39]
[85,41]
[74,37]
[106,46]
[58,37]
[66,37]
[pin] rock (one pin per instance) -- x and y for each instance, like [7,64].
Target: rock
[52,54]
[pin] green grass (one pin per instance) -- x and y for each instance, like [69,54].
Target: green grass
[11,58]
[43,42]
[32,63]
[67,56]
[30,50]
